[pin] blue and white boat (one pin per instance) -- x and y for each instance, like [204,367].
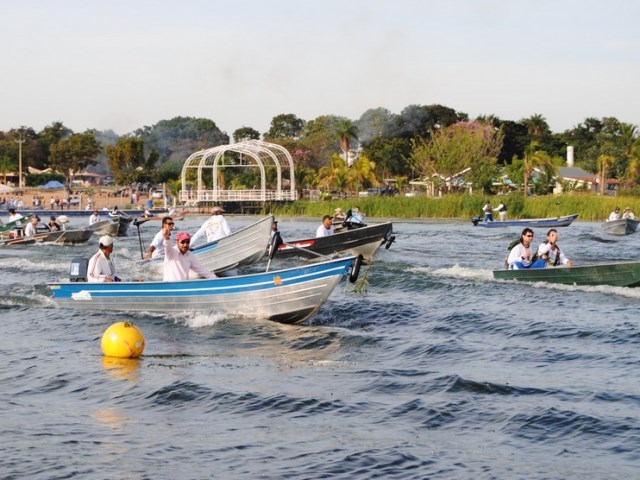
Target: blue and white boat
[289,296]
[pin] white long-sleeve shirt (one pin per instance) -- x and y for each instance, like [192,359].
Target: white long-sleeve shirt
[177,264]
[100,267]
[215,228]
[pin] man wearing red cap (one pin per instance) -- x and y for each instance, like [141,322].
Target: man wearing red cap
[178,260]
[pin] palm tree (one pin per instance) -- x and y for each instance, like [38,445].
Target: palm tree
[346,131]
[534,158]
[536,125]
[604,161]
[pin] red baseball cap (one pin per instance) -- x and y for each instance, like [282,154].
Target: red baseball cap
[183,236]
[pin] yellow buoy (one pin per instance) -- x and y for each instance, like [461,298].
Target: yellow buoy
[124,340]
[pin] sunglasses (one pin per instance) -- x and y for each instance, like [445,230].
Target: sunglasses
[528,235]
[171,224]
[185,242]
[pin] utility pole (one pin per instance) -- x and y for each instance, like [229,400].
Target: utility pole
[20,142]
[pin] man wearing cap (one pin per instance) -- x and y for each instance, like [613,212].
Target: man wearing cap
[179,261]
[156,249]
[32,227]
[215,227]
[101,268]
[628,214]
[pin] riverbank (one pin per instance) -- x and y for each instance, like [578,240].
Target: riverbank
[589,207]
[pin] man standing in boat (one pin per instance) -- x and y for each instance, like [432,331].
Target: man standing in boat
[179,261]
[215,227]
[156,249]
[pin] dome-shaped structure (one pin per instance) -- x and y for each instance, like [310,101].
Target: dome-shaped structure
[203,173]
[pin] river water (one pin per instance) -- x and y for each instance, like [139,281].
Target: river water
[430,369]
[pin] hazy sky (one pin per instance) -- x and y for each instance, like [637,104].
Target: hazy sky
[124,64]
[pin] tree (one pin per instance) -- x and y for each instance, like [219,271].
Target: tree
[452,149]
[179,137]
[533,158]
[362,174]
[74,154]
[125,158]
[285,125]
[346,131]
[246,133]
[604,162]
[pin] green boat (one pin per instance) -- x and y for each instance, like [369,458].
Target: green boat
[620,274]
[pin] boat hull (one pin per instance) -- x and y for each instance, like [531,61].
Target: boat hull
[106,227]
[363,241]
[624,226]
[622,274]
[243,247]
[288,296]
[61,237]
[529,222]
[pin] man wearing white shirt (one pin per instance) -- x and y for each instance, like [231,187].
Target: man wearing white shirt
[215,227]
[326,228]
[156,249]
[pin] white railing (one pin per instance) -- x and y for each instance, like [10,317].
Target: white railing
[194,196]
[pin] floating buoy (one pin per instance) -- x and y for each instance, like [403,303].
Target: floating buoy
[123,340]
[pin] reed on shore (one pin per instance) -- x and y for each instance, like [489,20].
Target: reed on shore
[589,207]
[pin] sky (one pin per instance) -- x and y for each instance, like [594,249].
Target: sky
[124,64]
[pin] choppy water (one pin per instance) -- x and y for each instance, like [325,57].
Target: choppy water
[434,370]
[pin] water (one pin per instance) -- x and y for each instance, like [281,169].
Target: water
[433,370]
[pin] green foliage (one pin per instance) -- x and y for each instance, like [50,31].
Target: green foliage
[285,125]
[36,179]
[127,160]
[75,153]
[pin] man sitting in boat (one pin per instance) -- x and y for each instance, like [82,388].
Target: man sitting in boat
[357,216]
[101,267]
[32,227]
[13,216]
[628,214]
[179,261]
[215,227]
[53,225]
[521,256]
[549,251]
[615,215]
[95,217]
[326,228]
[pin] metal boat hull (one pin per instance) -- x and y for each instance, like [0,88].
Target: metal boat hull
[289,296]
[363,241]
[106,227]
[624,226]
[622,274]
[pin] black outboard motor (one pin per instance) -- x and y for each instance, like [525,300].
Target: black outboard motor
[78,270]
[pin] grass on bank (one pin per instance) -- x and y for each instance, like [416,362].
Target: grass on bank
[589,207]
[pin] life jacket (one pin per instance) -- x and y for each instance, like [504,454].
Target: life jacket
[557,260]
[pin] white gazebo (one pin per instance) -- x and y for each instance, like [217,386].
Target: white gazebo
[250,154]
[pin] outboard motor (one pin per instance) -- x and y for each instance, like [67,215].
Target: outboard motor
[78,270]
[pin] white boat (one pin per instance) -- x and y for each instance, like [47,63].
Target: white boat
[289,296]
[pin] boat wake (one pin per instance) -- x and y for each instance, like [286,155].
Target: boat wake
[456,271]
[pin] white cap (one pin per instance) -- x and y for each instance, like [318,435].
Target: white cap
[106,240]
[217,209]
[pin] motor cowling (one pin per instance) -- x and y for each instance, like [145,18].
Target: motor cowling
[78,270]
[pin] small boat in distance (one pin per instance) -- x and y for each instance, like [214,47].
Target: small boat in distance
[623,226]
[619,274]
[551,222]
